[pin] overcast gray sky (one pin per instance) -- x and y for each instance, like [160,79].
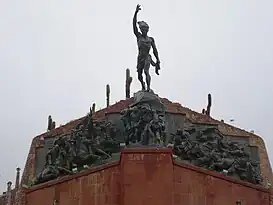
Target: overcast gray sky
[56,57]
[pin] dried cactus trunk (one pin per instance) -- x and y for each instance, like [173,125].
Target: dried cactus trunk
[93,107]
[49,123]
[209,105]
[107,95]
[128,82]
[53,125]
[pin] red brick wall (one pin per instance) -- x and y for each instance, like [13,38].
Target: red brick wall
[147,177]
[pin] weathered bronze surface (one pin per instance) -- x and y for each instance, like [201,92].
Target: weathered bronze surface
[89,144]
[144,59]
[144,121]
[207,148]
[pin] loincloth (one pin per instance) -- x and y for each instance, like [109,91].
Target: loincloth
[143,63]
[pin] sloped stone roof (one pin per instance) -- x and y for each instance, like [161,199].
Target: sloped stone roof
[192,116]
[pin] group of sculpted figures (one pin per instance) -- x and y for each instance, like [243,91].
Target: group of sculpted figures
[90,143]
[143,126]
[207,148]
[93,142]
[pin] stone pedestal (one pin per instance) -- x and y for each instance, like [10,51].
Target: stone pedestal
[149,98]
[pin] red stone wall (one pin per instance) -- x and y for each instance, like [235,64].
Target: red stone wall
[100,186]
[194,186]
[147,177]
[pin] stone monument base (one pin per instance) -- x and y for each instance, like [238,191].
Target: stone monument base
[148,97]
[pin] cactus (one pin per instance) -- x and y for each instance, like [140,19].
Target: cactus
[107,95]
[128,82]
[49,123]
[53,125]
[209,105]
[90,111]
[93,107]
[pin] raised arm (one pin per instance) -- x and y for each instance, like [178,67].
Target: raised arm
[155,51]
[135,21]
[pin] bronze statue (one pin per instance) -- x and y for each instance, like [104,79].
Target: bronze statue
[145,43]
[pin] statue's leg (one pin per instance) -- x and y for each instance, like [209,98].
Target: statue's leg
[140,66]
[147,74]
[140,78]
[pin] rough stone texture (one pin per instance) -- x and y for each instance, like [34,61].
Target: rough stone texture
[176,108]
[265,167]
[29,171]
[142,97]
[147,176]
[173,123]
[193,187]
[3,197]
[40,154]
[3,200]
[115,118]
[100,187]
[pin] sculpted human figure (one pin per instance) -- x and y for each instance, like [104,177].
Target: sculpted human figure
[144,43]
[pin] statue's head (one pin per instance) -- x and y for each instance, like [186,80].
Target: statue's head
[144,27]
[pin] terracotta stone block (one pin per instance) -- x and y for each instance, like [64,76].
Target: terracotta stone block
[143,179]
[199,188]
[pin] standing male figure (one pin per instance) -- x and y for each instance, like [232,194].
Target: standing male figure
[144,43]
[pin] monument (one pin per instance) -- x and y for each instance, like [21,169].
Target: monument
[93,142]
[144,150]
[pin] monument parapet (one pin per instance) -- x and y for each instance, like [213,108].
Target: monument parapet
[146,175]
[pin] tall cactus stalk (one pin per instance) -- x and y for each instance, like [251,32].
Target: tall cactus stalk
[128,82]
[53,125]
[94,107]
[209,105]
[107,95]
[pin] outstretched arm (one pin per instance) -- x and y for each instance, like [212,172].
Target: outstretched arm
[135,21]
[155,51]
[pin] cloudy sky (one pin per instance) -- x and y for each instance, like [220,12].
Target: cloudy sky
[56,57]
